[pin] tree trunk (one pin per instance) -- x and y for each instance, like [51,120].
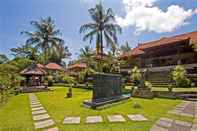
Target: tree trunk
[101,41]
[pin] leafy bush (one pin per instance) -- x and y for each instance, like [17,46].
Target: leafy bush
[179,76]
[137,105]
[148,84]
[50,80]
[136,75]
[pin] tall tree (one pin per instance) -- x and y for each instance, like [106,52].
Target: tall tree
[85,52]
[103,25]
[45,36]
[125,48]
[57,53]
[3,58]
[26,51]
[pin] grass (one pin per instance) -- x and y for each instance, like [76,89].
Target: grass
[16,115]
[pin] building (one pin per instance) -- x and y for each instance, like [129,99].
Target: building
[164,54]
[33,76]
[74,69]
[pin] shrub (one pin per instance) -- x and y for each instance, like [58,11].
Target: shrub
[136,75]
[137,105]
[179,76]
[148,84]
[50,80]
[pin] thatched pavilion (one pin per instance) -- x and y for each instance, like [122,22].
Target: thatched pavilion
[34,76]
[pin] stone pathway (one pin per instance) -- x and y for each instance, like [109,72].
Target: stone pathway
[99,119]
[40,116]
[186,108]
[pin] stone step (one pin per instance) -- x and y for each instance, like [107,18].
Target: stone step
[116,118]
[44,124]
[40,117]
[39,112]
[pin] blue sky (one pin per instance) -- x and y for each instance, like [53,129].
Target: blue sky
[15,16]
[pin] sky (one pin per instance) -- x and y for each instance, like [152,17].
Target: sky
[141,20]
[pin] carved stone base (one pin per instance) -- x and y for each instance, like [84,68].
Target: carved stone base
[101,102]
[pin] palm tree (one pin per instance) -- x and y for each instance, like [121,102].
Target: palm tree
[85,52]
[3,58]
[86,55]
[125,48]
[103,25]
[26,51]
[45,36]
[59,52]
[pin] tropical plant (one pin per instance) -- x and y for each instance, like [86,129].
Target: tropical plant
[27,51]
[136,75]
[110,64]
[56,54]
[86,52]
[179,76]
[125,48]
[3,58]
[103,26]
[45,36]
[194,46]
[9,75]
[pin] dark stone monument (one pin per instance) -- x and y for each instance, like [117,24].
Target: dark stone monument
[106,89]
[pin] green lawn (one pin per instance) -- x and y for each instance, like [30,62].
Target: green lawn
[16,115]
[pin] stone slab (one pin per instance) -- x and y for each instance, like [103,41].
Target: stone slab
[164,122]
[40,117]
[37,105]
[158,128]
[52,129]
[116,118]
[37,108]
[38,112]
[34,103]
[194,126]
[44,124]
[71,120]
[183,123]
[94,119]
[137,117]
[186,114]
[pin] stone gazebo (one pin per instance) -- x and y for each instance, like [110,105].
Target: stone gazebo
[33,78]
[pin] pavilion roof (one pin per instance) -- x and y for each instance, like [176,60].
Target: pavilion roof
[77,65]
[33,70]
[53,66]
[139,50]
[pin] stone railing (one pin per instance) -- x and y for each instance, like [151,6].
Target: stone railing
[166,68]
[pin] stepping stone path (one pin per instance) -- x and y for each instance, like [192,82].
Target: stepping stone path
[186,108]
[99,119]
[41,119]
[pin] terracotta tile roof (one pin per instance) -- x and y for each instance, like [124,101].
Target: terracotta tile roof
[40,65]
[77,65]
[33,70]
[192,36]
[53,66]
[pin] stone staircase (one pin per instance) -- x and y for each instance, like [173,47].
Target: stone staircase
[160,79]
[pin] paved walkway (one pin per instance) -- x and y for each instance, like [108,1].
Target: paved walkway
[40,116]
[186,108]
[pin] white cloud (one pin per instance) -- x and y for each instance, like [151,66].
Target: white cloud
[145,16]
[89,1]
